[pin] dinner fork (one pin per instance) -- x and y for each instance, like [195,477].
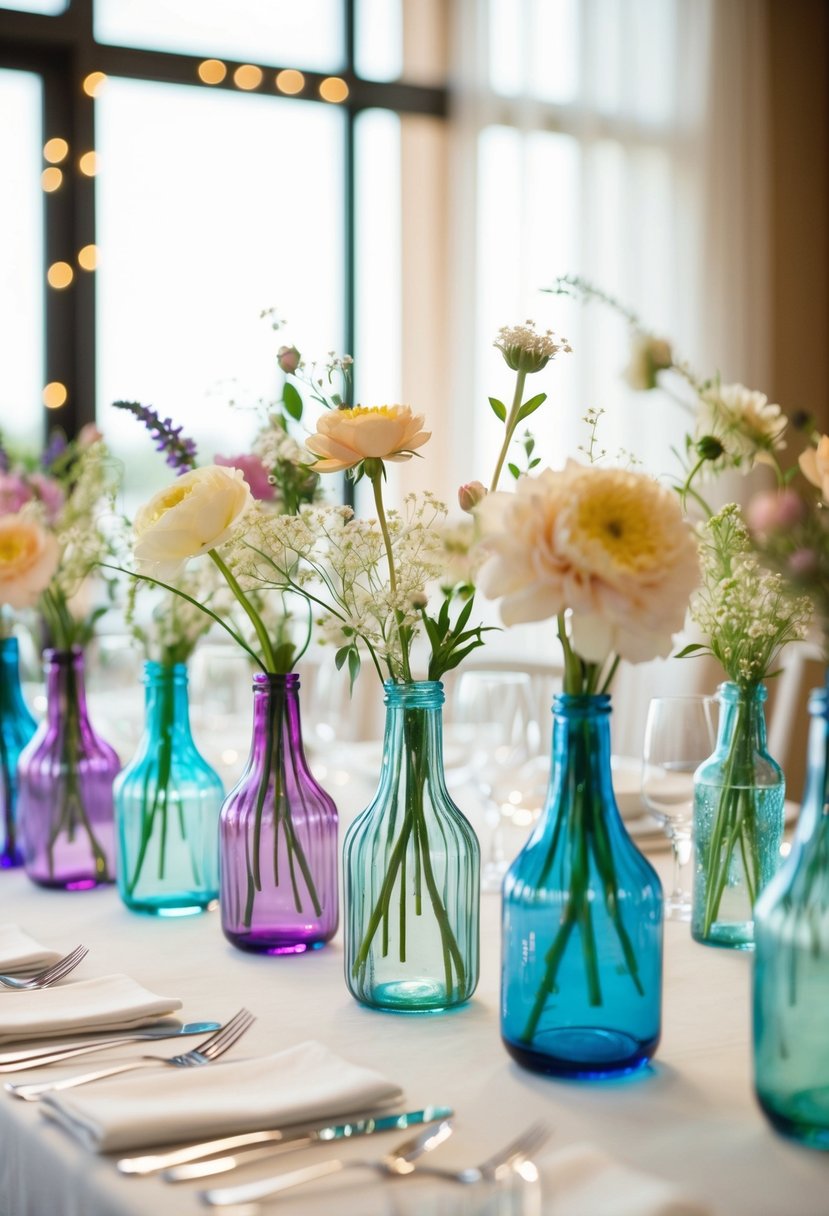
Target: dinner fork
[208,1051]
[500,1163]
[50,975]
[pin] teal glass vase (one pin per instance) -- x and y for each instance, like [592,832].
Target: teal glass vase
[412,871]
[739,808]
[791,972]
[581,980]
[17,726]
[167,804]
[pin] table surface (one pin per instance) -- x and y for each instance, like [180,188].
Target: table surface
[690,1118]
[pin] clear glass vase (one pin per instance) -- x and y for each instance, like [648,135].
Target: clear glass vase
[278,836]
[739,797]
[581,986]
[17,726]
[411,866]
[791,972]
[167,804]
[65,778]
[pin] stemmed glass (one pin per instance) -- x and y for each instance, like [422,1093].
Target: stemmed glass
[679,735]
[492,716]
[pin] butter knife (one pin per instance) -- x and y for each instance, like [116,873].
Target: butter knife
[276,1140]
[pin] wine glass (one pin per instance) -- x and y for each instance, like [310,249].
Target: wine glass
[679,735]
[492,718]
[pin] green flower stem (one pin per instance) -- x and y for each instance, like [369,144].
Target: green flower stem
[687,489]
[247,607]
[161,790]
[376,484]
[509,427]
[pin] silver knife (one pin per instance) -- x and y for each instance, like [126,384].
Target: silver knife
[297,1137]
[37,1057]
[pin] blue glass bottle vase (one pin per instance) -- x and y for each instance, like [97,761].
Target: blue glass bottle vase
[739,806]
[17,726]
[581,984]
[167,804]
[791,973]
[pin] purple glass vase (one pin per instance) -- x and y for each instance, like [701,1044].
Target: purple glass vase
[278,836]
[65,777]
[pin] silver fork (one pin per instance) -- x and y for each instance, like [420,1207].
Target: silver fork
[208,1051]
[500,1163]
[50,975]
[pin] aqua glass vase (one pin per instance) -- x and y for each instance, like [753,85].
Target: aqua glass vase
[581,983]
[17,726]
[791,972]
[167,804]
[412,865]
[739,808]
[64,796]
[278,836]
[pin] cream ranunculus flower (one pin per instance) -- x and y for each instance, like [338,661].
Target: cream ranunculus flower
[814,465]
[609,544]
[28,559]
[193,515]
[345,438]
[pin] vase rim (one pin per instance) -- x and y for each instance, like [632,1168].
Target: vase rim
[597,702]
[731,691]
[272,679]
[156,670]
[53,654]
[426,693]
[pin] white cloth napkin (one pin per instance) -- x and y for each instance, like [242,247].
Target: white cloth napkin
[305,1084]
[21,954]
[581,1180]
[109,1002]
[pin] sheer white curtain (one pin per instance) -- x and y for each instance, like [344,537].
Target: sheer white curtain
[624,141]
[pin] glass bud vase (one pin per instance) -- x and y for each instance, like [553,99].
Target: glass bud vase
[791,972]
[65,778]
[739,795]
[167,804]
[278,836]
[581,984]
[17,726]
[412,871]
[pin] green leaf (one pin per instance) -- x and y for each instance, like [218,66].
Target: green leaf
[463,615]
[692,648]
[353,666]
[498,409]
[529,407]
[292,402]
[534,462]
[341,656]
[514,469]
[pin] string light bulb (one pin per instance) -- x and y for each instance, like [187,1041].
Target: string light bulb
[290,81]
[51,179]
[248,76]
[55,150]
[93,83]
[54,395]
[212,71]
[333,89]
[59,275]
[88,257]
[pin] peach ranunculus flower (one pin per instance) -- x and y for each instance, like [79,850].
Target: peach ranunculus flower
[345,438]
[609,544]
[195,514]
[28,560]
[814,465]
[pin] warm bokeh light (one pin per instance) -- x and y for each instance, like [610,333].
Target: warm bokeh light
[290,81]
[88,257]
[212,71]
[55,150]
[93,83]
[333,89]
[54,395]
[88,164]
[51,179]
[247,76]
[60,275]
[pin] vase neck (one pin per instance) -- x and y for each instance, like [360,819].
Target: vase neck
[742,709]
[414,730]
[167,708]
[581,740]
[65,688]
[814,815]
[276,717]
[11,693]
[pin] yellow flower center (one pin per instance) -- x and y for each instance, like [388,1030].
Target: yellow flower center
[622,524]
[360,411]
[171,498]
[11,548]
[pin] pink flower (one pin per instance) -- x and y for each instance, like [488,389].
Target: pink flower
[254,473]
[470,494]
[774,512]
[47,491]
[288,358]
[88,435]
[803,562]
[14,493]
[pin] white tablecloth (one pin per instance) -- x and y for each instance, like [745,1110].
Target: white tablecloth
[692,1118]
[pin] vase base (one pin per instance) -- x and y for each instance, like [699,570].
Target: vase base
[77,882]
[184,906]
[408,996]
[805,1119]
[11,860]
[583,1053]
[264,942]
[736,936]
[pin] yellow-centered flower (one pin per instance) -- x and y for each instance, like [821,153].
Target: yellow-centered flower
[28,560]
[345,438]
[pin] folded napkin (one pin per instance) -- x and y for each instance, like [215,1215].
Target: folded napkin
[305,1084]
[110,1002]
[21,954]
[580,1180]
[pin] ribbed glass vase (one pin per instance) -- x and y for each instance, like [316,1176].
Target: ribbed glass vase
[739,807]
[278,836]
[17,726]
[167,804]
[411,866]
[65,777]
[791,972]
[581,988]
